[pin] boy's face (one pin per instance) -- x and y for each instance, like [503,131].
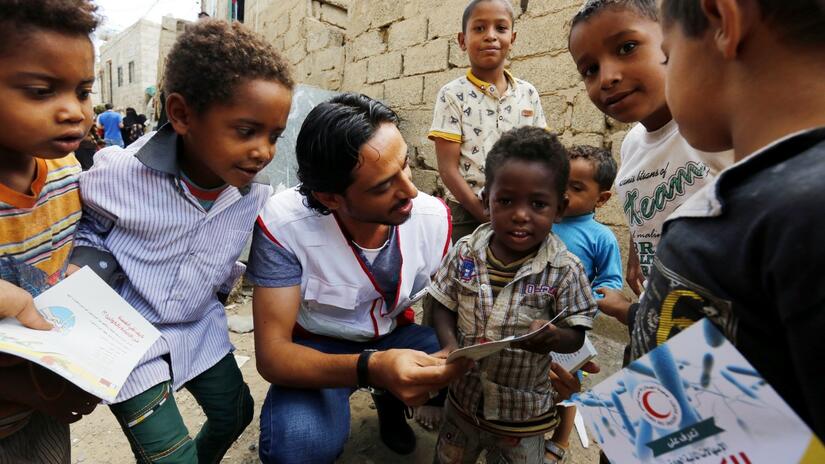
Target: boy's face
[488,36]
[230,143]
[583,192]
[45,109]
[693,89]
[618,54]
[382,190]
[523,204]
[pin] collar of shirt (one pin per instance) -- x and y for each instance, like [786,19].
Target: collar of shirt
[154,154]
[490,89]
[548,254]
[707,202]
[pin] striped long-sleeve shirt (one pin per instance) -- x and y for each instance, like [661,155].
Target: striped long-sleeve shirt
[164,253]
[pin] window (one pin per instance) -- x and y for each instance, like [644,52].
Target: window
[236,10]
[131,71]
[120,76]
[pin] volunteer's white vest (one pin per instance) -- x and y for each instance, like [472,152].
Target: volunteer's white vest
[339,297]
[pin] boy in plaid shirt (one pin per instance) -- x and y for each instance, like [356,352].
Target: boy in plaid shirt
[508,278]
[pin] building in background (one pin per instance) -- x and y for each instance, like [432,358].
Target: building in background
[128,66]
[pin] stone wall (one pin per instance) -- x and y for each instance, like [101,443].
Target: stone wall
[403,51]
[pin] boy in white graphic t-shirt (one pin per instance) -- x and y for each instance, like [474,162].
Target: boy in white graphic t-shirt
[617,49]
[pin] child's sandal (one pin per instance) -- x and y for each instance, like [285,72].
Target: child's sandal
[557,451]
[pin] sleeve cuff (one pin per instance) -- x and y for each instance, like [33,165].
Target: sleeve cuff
[434,134]
[442,298]
[272,283]
[102,262]
[584,322]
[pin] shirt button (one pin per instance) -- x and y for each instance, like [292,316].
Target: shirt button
[501,118]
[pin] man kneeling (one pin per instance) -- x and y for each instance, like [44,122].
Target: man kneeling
[337,262]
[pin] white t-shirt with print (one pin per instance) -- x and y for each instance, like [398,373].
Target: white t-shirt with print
[659,171]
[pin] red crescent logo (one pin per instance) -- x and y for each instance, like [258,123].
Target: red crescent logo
[650,409]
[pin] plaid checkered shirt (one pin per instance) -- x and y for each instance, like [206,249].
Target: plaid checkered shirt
[512,385]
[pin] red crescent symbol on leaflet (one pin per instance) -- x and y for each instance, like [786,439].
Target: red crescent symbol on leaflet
[650,409]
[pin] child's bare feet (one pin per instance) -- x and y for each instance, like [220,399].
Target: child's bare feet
[429,417]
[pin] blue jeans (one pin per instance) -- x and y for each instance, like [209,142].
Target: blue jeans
[312,426]
[110,142]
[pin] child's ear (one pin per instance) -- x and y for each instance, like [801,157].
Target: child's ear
[729,23]
[179,113]
[461,43]
[603,197]
[513,39]
[332,201]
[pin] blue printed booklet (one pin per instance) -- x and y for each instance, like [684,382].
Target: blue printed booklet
[696,400]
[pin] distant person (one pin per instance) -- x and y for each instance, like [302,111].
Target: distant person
[111,122]
[132,126]
[88,147]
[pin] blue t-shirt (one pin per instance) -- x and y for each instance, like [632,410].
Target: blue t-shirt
[595,246]
[110,120]
[271,265]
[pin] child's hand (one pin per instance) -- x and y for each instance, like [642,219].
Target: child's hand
[71,269]
[543,342]
[443,353]
[18,303]
[566,383]
[635,277]
[39,388]
[614,303]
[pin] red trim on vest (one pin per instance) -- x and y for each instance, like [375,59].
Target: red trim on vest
[269,235]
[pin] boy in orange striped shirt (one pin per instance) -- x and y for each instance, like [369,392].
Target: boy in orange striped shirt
[46,76]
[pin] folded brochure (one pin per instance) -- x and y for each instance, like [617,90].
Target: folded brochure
[97,339]
[570,361]
[695,399]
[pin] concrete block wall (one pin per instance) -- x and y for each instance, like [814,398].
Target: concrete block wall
[403,51]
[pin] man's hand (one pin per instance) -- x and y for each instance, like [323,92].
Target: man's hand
[412,376]
[566,383]
[18,303]
[614,304]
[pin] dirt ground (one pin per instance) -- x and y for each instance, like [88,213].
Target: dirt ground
[98,438]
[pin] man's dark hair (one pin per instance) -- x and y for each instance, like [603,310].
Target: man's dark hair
[212,57]
[331,137]
[468,11]
[645,8]
[19,18]
[800,21]
[108,106]
[532,144]
[603,163]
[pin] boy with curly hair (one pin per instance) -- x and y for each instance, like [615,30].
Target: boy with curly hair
[46,76]
[510,277]
[616,46]
[165,220]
